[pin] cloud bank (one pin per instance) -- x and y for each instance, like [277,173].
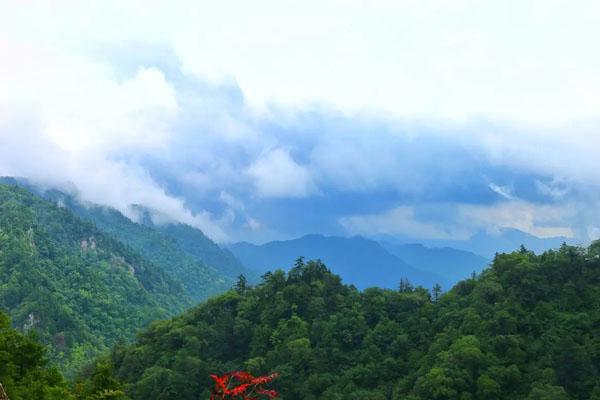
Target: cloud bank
[426,129]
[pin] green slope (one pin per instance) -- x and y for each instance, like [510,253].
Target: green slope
[195,242]
[79,289]
[200,280]
[527,328]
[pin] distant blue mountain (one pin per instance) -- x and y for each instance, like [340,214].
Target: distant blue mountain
[487,244]
[359,261]
[452,264]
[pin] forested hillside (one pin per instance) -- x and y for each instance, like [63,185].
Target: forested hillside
[199,278]
[183,252]
[526,328]
[79,289]
[193,241]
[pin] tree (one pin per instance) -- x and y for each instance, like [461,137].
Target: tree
[437,292]
[299,263]
[241,285]
[405,286]
[491,337]
[23,368]
[242,385]
[547,392]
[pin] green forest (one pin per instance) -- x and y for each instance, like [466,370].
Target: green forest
[527,327]
[24,370]
[77,288]
[198,278]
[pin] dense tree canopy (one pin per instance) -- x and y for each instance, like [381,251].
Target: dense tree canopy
[201,279]
[80,290]
[526,328]
[24,372]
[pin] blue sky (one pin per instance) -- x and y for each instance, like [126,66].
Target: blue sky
[272,119]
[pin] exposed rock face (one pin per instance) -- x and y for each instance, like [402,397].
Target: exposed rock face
[120,262]
[88,244]
[32,320]
[31,238]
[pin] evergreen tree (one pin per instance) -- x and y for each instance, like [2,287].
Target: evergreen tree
[241,285]
[436,292]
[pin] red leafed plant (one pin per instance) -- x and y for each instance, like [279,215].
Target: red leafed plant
[242,385]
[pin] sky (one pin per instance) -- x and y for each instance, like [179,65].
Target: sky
[429,119]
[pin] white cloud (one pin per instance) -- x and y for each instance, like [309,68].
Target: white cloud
[276,174]
[513,84]
[535,219]
[401,221]
[231,201]
[81,104]
[65,120]
[502,191]
[594,233]
[464,220]
[253,224]
[516,60]
[553,190]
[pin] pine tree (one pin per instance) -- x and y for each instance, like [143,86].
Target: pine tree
[436,292]
[241,285]
[299,262]
[405,286]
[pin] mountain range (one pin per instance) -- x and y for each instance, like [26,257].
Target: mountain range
[84,279]
[85,276]
[362,262]
[453,264]
[391,259]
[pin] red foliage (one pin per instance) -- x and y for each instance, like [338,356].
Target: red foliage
[242,385]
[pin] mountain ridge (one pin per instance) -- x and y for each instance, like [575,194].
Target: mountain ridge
[360,261]
[453,264]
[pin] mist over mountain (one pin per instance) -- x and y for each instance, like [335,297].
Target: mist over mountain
[183,252]
[198,150]
[375,200]
[200,279]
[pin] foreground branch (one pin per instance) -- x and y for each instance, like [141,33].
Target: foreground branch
[3,395]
